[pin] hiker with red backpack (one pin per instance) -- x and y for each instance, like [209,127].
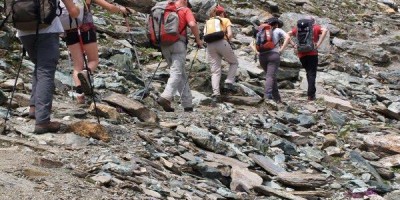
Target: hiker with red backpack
[171,38]
[217,34]
[309,38]
[266,45]
[84,42]
[40,38]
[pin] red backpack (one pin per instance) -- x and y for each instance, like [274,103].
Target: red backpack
[264,38]
[163,24]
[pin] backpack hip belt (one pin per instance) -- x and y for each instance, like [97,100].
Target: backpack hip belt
[84,28]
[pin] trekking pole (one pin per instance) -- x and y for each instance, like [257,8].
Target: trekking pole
[134,47]
[190,69]
[87,69]
[72,75]
[137,56]
[151,80]
[133,44]
[14,88]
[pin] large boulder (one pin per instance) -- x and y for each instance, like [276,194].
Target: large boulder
[132,107]
[201,8]
[370,51]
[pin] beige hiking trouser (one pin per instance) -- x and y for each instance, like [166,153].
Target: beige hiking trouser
[215,51]
[175,55]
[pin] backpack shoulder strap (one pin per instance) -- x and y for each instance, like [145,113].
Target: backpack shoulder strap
[5,20]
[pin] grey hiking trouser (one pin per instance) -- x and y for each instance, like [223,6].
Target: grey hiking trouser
[270,62]
[175,56]
[44,52]
[216,50]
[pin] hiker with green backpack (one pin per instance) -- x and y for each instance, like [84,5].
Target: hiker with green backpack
[217,34]
[266,45]
[39,32]
[309,38]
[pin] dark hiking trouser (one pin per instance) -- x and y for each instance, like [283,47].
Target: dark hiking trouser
[270,62]
[310,64]
[44,53]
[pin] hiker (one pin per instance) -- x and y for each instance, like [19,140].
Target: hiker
[309,57]
[89,40]
[269,56]
[175,55]
[42,45]
[217,34]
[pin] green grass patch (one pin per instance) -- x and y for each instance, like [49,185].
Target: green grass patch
[396,170]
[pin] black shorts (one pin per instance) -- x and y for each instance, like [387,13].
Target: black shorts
[87,36]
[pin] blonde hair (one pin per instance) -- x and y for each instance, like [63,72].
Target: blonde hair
[213,12]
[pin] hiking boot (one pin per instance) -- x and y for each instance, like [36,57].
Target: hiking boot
[80,99]
[165,104]
[83,77]
[48,127]
[268,96]
[311,98]
[188,109]
[31,114]
[214,100]
[229,86]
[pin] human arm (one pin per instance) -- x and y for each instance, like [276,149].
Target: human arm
[112,7]
[290,34]
[229,33]
[286,42]
[195,30]
[253,46]
[73,10]
[321,39]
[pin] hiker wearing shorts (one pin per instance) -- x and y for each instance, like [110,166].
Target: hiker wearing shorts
[175,55]
[90,47]
[309,60]
[270,60]
[42,46]
[216,50]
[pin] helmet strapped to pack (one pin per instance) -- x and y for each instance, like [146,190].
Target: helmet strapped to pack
[30,15]
[213,30]
[163,24]
[264,41]
[305,34]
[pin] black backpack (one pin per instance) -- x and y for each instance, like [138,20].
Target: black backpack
[30,15]
[305,34]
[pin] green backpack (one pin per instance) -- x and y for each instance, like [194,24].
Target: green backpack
[31,15]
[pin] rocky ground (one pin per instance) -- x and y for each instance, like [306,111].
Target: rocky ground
[344,145]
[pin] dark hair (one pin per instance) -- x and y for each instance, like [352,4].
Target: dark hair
[274,21]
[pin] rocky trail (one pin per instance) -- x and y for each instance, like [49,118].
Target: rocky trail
[344,145]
